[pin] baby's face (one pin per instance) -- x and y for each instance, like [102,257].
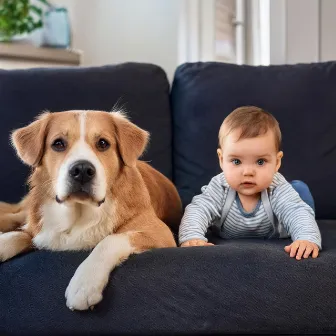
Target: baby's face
[249,164]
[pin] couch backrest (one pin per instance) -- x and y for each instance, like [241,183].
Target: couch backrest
[303,99]
[141,89]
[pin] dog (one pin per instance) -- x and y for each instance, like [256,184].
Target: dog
[88,190]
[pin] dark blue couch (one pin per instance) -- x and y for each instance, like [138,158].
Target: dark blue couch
[238,286]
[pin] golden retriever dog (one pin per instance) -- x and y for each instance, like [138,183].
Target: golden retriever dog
[88,190]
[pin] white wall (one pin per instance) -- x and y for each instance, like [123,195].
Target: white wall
[302,31]
[328,30]
[114,31]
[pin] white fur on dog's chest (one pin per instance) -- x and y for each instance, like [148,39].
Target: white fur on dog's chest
[74,228]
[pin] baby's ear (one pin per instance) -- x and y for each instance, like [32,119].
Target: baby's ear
[220,157]
[279,157]
[29,141]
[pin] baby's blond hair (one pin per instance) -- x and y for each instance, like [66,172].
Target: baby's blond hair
[252,121]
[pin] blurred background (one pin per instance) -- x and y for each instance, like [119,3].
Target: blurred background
[37,33]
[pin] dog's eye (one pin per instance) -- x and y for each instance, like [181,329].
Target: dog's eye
[102,145]
[59,145]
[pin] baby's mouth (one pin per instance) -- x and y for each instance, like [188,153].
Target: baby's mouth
[248,184]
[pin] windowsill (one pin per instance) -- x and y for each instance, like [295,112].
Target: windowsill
[28,52]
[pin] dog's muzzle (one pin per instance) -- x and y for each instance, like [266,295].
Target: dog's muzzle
[82,172]
[80,178]
[80,182]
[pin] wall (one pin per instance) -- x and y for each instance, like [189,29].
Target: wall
[328,30]
[114,31]
[302,31]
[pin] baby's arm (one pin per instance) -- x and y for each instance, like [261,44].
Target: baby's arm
[298,219]
[201,212]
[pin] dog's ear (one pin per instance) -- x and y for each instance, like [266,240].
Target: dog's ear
[131,139]
[29,141]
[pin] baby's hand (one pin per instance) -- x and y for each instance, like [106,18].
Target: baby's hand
[302,247]
[195,242]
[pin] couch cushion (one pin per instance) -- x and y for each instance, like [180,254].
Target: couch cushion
[303,99]
[242,286]
[141,89]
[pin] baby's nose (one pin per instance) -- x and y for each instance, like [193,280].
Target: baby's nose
[248,171]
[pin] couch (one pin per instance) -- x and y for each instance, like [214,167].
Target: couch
[237,286]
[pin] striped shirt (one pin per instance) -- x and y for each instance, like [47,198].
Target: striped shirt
[292,213]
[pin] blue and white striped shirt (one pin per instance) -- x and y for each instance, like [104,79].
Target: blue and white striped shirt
[292,213]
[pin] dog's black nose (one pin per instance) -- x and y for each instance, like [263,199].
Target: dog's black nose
[82,171]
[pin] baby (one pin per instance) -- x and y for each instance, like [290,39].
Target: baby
[250,198]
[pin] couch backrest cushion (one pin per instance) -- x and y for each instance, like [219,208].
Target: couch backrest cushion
[303,99]
[141,89]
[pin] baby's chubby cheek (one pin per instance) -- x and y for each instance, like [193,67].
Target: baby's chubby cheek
[232,179]
[264,181]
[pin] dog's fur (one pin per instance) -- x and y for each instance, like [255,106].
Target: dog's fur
[124,209]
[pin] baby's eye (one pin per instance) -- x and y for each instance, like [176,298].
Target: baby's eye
[261,162]
[236,162]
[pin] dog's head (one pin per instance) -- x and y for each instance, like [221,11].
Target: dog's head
[80,152]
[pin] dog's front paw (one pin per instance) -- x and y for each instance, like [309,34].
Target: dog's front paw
[3,248]
[85,289]
[8,246]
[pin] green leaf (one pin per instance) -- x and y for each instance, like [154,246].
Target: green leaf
[45,2]
[36,10]
[20,16]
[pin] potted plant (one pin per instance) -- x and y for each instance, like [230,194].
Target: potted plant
[19,18]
